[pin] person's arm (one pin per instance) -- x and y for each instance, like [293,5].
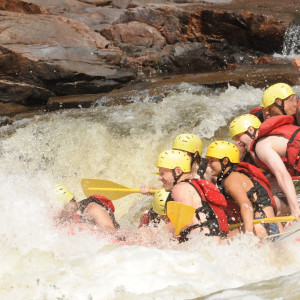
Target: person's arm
[266,153]
[144,189]
[234,188]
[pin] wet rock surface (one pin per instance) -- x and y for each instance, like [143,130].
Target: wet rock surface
[55,52]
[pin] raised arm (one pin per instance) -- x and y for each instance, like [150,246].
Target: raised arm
[265,151]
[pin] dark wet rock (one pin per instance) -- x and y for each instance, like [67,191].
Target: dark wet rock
[257,32]
[73,101]
[93,86]
[189,57]
[23,93]
[122,76]
[97,2]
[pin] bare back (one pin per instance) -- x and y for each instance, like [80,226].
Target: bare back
[185,193]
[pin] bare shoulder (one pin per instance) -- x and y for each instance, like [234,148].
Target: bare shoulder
[271,145]
[95,208]
[183,192]
[234,179]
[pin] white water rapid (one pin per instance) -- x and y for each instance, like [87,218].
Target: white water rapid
[39,261]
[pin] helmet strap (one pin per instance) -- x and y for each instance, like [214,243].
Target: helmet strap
[223,165]
[222,173]
[281,107]
[176,177]
[252,136]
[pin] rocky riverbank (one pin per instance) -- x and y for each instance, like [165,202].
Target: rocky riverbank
[55,52]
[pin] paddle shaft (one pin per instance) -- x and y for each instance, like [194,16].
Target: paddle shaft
[107,188]
[119,190]
[266,220]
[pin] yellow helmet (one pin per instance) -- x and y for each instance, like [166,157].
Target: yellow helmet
[188,142]
[63,193]
[170,159]
[221,149]
[278,90]
[159,201]
[242,123]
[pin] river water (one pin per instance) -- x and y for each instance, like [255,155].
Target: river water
[41,261]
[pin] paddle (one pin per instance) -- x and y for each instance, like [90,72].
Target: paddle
[266,220]
[180,214]
[107,188]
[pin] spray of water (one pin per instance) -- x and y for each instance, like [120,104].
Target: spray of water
[41,261]
[291,43]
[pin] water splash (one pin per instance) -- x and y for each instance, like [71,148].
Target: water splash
[38,261]
[291,43]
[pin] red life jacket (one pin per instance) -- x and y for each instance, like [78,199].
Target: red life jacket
[283,126]
[149,216]
[233,212]
[210,194]
[108,203]
[255,110]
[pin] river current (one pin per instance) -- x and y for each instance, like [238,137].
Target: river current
[121,144]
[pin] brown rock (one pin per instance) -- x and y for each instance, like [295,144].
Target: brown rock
[23,93]
[55,40]
[169,20]
[7,109]
[56,103]
[19,6]
[139,34]
[262,60]
[121,3]
[266,33]
[53,47]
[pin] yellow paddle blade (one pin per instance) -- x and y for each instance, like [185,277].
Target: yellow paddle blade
[180,214]
[107,188]
[266,220]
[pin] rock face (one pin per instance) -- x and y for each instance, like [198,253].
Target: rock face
[52,48]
